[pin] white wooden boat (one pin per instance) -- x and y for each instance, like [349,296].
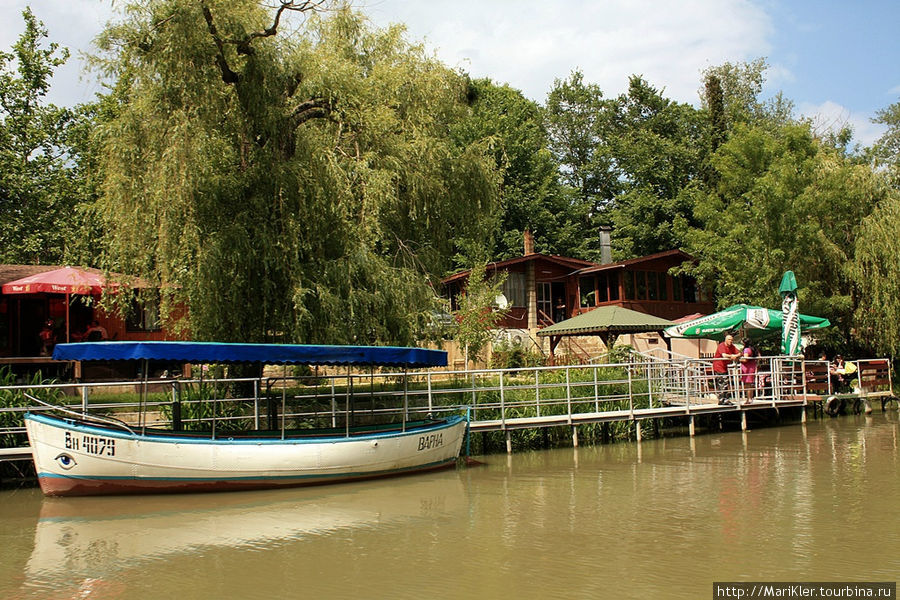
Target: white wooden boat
[85,456]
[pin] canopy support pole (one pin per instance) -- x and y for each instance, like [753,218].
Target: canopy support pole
[142,399]
[283,397]
[406,397]
[347,404]
[68,327]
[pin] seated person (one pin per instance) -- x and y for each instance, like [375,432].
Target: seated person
[841,373]
[95,333]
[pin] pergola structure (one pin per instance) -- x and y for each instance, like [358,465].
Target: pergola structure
[607,322]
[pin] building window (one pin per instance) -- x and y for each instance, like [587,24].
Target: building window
[613,279]
[663,285]
[514,289]
[544,299]
[629,285]
[676,289]
[144,314]
[587,291]
[602,288]
[640,285]
[652,286]
[689,289]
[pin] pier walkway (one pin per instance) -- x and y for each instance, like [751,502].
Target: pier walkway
[647,387]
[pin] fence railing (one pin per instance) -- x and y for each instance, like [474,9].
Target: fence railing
[342,400]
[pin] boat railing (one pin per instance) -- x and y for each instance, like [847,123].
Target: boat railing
[98,418]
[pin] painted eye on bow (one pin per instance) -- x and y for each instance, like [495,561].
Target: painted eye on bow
[65,461]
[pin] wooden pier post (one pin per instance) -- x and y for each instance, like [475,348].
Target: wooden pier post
[743,420]
[637,431]
[574,436]
[691,428]
[508,442]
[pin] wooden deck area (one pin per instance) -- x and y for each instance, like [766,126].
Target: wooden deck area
[639,414]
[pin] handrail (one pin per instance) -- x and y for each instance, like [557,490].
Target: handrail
[83,417]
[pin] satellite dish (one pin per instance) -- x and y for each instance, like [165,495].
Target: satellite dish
[501,302]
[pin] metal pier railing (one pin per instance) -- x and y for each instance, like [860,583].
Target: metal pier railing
[644,388]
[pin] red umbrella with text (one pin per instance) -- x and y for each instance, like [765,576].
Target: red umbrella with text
[66,280]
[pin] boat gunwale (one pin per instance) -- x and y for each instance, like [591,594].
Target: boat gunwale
[175,437]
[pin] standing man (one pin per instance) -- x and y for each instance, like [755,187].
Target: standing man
[725,351]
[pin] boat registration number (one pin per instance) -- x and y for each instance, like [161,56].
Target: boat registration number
[427,442]
[91,444]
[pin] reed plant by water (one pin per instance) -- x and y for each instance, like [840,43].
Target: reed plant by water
[12,403]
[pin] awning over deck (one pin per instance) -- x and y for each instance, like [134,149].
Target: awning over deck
[267,354]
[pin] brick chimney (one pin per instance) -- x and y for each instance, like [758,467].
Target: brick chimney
[529,242]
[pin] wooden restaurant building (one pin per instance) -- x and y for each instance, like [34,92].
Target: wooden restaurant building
[27,313]
[542,290]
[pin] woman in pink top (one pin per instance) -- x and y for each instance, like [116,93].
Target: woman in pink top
[748,369]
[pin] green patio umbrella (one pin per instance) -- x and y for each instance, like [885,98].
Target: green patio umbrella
[790,321]
[739,316]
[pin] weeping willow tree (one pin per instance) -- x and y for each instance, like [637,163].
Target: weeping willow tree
[876,273]
[293,185]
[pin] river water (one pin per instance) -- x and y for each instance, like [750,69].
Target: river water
[661,519]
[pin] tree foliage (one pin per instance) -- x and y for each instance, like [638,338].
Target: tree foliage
[286,187]
[477,314]
[576,117]
[876,275]
[783,201]
[658,153]
[886,149]
[36,186]
[532,196]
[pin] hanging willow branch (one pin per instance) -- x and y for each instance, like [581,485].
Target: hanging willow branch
[314,108]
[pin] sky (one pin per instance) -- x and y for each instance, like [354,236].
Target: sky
[838,61]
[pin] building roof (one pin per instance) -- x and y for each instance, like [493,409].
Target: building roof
[607,319]
[638,261]
[12,272]
[563,261]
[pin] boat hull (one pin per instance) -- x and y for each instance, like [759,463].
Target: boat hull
[74,458]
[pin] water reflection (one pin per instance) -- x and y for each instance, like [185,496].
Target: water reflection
[91,539]
[663,518]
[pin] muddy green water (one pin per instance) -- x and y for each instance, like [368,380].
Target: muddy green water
[663,519]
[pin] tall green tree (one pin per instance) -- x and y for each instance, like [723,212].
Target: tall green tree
[658,153]
[783,201]
[294,187]
[875,272]
[886,150]
[532,197]
[577,117]
[37,199]
[731,93]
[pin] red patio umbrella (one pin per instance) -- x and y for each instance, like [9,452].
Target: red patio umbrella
[66,280]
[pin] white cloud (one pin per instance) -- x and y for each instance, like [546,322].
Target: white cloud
[529,43]
[830,116]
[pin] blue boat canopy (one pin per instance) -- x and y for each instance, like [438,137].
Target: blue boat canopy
[267,354]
